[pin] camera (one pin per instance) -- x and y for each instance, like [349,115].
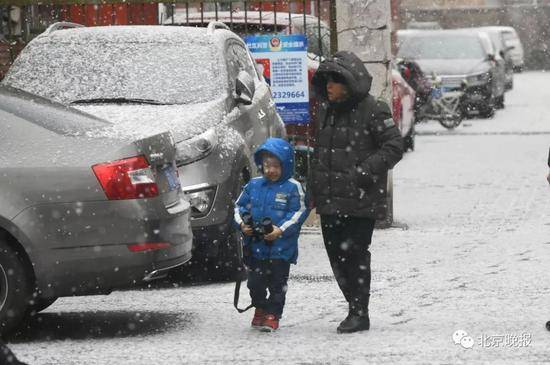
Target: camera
[259,230]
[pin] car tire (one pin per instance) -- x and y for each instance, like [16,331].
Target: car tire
[38,304]
[410,139]
[487,111]
[15,288]
[499,102]
[228,266]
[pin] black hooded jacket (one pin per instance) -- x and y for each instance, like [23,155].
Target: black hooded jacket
[357,143]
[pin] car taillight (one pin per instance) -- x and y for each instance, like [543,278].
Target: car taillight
[150,246]
[131,178]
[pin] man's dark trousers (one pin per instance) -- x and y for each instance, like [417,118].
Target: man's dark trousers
[272,275]
[347,241]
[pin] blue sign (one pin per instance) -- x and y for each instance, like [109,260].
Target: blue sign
[283,61]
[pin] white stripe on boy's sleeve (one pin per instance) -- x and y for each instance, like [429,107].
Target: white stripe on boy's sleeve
[237,213]
[296,216]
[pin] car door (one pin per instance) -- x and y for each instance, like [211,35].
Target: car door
[254,123]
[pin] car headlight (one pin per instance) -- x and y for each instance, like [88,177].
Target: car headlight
[196,148]
[201,201]
[478,79]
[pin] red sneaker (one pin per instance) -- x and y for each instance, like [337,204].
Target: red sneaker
[258,319]
[270,323]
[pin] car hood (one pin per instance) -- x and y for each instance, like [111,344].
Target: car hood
[454,67]
[139,121]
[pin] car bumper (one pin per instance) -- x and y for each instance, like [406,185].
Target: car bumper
[83,248]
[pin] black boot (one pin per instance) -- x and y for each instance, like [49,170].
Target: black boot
[357,320]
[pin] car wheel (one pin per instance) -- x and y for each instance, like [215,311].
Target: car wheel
[499,102]
[228,266]
[409,139]
[487,111]
[15,288]
[38,304]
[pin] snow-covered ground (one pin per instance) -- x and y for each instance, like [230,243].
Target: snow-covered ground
[470,251]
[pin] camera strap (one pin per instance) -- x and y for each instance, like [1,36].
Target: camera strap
[236,297]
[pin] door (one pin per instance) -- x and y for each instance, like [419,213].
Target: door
[253,123]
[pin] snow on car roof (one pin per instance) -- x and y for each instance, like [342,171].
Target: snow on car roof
[132,33]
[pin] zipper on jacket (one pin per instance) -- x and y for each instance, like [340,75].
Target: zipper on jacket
[331,122]
[267,192]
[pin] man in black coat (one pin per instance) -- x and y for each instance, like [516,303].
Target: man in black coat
[357,142]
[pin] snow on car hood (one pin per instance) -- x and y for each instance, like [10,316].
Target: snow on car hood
[139,121]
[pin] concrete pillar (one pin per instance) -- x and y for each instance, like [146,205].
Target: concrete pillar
[364,28]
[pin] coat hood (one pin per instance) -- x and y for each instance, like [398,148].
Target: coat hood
[351,68]
[282,150]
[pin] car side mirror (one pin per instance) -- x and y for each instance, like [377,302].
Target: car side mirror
[244,88]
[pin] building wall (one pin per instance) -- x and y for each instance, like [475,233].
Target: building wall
[446,4]
[364,28]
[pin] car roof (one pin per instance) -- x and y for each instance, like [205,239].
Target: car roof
[132,33]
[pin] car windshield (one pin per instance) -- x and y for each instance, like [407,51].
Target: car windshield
[116,72]
[447,47]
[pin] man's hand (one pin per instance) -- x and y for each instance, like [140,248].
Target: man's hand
[276,233]
[247,230]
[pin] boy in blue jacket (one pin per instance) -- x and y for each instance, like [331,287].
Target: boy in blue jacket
[275,195]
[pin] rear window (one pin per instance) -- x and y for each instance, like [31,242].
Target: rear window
[54,117]
[441,47]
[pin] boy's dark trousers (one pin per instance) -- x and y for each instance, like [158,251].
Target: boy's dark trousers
[347,241]
[272,275]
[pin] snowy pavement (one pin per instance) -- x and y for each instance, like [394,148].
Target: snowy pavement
[470,251]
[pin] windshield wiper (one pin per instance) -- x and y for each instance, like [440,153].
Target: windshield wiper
[117,101]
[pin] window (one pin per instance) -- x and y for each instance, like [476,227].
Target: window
[239,59]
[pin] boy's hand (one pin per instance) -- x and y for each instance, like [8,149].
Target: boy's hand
[276,233]
[247,230]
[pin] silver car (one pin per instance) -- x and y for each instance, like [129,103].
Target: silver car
[199,83]
[458,56]
[82,211]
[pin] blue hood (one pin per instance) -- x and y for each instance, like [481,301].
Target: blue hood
[282,150]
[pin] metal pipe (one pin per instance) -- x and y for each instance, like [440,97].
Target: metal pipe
[231,15]
[275,16]
[246,17]
[289,18]
[261,25]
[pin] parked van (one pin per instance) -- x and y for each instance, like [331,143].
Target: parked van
[511,41]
